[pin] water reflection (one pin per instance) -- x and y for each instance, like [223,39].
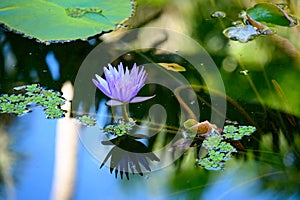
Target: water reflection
[269,169]
[127,155]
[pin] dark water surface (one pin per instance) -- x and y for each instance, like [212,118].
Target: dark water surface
[261,80]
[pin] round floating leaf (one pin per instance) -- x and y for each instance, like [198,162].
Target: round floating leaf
[62,20]
[271,13]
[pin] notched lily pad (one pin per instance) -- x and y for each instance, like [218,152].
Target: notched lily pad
[63,20]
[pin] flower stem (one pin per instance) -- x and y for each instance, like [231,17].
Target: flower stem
[124,112]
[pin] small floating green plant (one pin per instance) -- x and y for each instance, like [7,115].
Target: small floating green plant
[33,94]
[219,144]
[86,120]
[120,128]
[259,20]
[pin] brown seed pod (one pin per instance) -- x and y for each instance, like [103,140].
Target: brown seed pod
[204,127]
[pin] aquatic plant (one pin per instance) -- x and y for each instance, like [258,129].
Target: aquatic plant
[86,120]
[122,86]
[18,104]
[88,18]
[121,127]
[218,143]
[257,20]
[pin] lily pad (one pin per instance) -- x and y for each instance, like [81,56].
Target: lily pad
[62,20]
[271,13]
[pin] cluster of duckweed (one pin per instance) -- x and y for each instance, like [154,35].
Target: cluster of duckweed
[86,120]
[33,94]
[219,151]
[120,128]
[218,146]
[236,133]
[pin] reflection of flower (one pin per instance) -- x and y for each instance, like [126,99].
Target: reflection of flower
[122,86]
[128,155]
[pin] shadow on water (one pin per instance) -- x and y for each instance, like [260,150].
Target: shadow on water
[261,79]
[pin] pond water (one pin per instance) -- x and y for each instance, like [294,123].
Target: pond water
[254,83]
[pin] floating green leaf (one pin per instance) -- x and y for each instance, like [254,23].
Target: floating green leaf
[236,133]
[212,142]
[210,164]
[18,104]
[271,13]
[62,20]
[226,147]
[54,112]
[86,120]
[120,128]
[219,144]
[255,20]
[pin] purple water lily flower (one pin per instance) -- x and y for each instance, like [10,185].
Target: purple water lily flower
[122,86]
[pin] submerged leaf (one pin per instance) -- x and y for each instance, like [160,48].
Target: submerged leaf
[172,66]
[241,33]
[271,13]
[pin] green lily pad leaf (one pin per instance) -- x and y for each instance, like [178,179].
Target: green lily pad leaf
[62,20]
[271,13]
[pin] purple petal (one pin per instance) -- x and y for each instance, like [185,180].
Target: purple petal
[102,85]
[140,99]
[113,102]
[102,82]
